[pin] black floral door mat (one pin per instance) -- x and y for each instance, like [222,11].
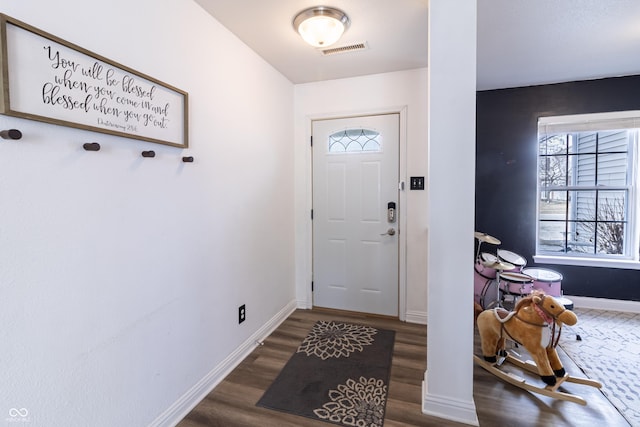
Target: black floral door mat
[339,374]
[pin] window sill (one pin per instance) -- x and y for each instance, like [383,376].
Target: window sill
[588,262]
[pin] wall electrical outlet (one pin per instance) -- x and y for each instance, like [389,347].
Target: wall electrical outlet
[242,313]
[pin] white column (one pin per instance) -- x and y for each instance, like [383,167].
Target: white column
[448,380]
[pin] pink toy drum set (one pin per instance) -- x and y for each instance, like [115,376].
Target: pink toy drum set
[503,278]
[516,284]
[485,285]
[546,280]
[512,258]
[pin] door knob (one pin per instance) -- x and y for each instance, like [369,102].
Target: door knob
[389,232]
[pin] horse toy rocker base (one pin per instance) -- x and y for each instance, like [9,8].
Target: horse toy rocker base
[535,323]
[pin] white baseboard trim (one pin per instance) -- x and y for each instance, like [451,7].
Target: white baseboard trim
[605,304]
[303,304]
[419,317]
[449,409]
[176,412]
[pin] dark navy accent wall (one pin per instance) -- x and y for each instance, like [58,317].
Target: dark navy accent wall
[506,170]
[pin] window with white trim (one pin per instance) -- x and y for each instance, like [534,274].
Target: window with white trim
[587,205]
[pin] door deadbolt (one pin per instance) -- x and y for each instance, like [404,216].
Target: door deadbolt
[391,212]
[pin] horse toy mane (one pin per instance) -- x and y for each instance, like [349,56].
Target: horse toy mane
[535,323]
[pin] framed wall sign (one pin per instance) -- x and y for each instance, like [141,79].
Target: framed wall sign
[51,80]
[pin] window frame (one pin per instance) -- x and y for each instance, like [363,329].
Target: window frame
[599,122]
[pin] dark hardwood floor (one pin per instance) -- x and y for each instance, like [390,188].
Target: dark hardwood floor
[232,402]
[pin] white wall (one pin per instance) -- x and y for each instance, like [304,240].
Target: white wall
[373,93]
[121,277]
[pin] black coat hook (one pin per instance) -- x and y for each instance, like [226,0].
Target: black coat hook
[149,153]
[91,146]
[11,134]
[188,159]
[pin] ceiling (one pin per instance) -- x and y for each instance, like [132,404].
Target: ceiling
[520,42]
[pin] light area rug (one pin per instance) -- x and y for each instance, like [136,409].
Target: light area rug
[609,351]
[339,374]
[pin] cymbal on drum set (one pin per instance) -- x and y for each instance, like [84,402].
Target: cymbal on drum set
[484,237]
[498,265]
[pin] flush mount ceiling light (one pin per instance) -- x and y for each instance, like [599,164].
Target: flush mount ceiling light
[321,26]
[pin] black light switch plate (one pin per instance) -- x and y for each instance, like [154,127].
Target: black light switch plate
[416,183]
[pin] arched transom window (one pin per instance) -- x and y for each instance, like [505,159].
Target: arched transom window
[355,141]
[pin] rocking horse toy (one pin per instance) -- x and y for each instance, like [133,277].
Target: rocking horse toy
[535,323]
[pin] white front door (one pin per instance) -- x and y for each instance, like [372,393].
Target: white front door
[355,241]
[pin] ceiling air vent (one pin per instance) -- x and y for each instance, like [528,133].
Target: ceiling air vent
[344,49]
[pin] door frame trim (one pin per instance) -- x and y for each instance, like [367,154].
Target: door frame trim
[402,195]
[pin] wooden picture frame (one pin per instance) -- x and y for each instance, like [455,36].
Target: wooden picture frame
[45,78]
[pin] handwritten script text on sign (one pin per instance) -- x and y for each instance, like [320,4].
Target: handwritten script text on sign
[57,82]
[77,86]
